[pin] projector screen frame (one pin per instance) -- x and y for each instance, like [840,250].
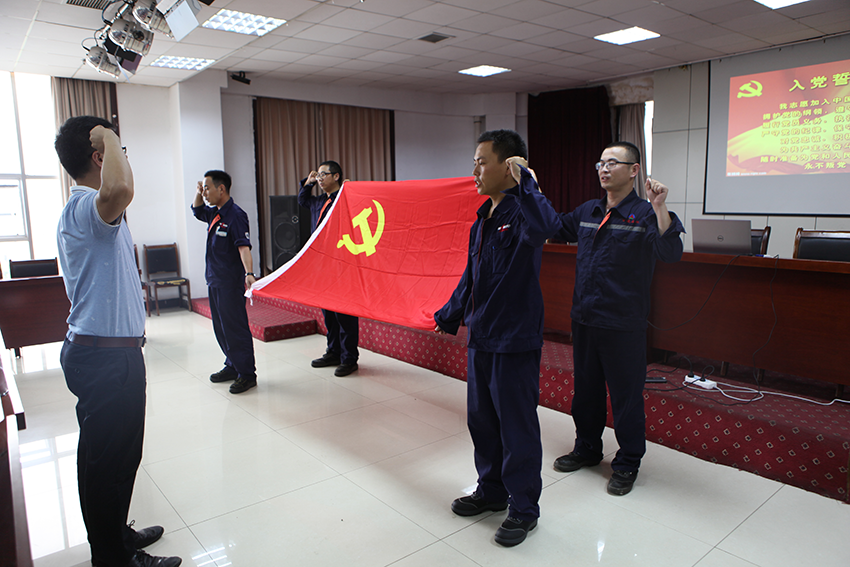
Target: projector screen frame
[773,195]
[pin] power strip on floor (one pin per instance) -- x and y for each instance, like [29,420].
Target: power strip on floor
[701,382]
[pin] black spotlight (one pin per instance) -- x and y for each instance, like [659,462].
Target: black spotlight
[240,76]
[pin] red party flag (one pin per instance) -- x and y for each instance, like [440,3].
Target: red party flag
[392,251]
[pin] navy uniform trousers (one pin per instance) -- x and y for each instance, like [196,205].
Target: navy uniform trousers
[110,387]
[230,324]
[503,390]
[343,335]
[617,358]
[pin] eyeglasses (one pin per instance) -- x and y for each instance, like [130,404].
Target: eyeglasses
[323,174]
[611,163]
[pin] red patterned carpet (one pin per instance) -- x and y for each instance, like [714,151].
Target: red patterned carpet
[789,440]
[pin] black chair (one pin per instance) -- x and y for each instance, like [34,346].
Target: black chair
[33,268]
[760,237]
[159,261]
[831,245]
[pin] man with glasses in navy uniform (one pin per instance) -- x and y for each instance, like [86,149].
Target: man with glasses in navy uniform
[619,238]
[102,355]
[343,330]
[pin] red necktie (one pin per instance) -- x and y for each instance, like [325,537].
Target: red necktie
[601,225]
[212,224]
[328,202]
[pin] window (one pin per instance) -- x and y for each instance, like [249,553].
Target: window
[30,192]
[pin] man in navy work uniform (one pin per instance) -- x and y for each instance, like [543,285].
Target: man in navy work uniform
[102,355]
[500,301]
[229,269]
[343,330]
[619,238]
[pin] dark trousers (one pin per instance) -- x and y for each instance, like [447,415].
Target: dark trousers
[230,324]
[618,359]
[503,390]
[343,335]
[110,387]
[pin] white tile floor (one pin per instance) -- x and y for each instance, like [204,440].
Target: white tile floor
[311,470]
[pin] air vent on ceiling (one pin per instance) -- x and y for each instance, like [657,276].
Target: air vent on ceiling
[96,4]
[435,37]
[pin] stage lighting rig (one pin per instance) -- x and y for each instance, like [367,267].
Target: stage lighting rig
[147,14]
[98,58]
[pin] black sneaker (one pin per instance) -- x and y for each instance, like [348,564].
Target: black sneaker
[242,384]
[475,504]
[226,374]
[147,536]
[142,559]
[345,369]
[621,482]
[328,359]
[514,531]
[573,462]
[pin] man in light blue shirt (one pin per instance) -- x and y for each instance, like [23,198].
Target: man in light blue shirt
[102,356]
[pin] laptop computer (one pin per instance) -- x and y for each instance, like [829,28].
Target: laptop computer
[717,236]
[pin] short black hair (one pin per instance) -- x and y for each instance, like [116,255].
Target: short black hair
[73,143]
[631,149]
[220,178]
[333,167]
[506,143]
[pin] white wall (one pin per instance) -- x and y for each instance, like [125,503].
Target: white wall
[433,146]
[679,136]
[145,131]
[237,117]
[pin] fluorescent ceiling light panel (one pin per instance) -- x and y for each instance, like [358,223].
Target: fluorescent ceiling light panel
[187,63]
[776,4]
[630,35]
[484,71]
[240,22]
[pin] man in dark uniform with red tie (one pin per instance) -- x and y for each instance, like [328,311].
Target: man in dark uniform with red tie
[229,269]
[343,330]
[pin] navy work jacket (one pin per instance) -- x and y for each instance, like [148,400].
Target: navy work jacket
[499,295]
[227,230]
[615,263]
[309,201]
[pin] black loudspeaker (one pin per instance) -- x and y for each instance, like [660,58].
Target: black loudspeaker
[290,226]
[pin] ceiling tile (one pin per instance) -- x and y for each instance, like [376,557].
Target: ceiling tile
[328,34]
[393,7]
[358,20]
[484,23]
[442,14]
[527,10]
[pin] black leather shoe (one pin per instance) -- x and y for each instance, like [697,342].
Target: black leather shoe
[226,374]
[345,369]
[242,384]
[573,462]
[514,531]
[621,482]
[475,504]
[147,536]
[328,359]
[142,559]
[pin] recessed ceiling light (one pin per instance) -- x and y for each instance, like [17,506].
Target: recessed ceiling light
[187,63]
[776,4]
[630,35]
[484,71]
[241,22]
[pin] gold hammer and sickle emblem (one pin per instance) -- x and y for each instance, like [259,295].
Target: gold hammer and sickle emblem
[370,240]
[749,90]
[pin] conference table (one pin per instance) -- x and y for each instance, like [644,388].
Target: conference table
[785,315]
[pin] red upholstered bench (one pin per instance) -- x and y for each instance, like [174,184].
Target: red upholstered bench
[268,323]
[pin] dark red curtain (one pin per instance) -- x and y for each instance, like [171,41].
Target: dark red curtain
[567,131]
